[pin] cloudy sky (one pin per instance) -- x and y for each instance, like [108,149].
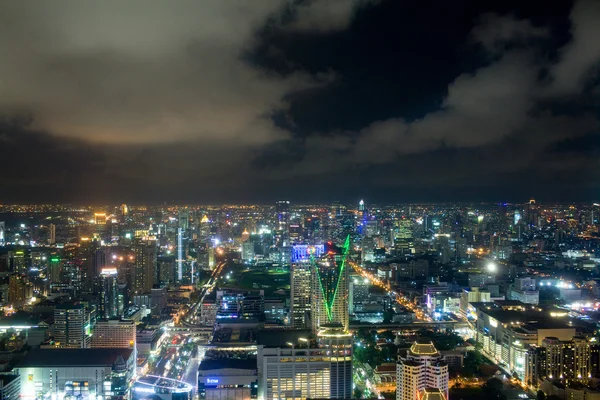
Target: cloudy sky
[242,101]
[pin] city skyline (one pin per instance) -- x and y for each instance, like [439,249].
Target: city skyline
[310,101]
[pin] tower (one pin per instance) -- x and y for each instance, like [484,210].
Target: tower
[51,234]
[180,254]
[109,293]
[329,287]
[72,326]
[145,267]
[300,295]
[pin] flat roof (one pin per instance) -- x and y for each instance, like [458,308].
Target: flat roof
[73,357]
[232,363]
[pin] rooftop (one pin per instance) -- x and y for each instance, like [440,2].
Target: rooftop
[431,394]
[73,357]
[423,347]
[229,363]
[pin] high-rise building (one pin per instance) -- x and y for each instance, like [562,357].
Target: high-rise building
[358,293]
[283,220]
[114,333]
[109,294]
[303,372]
[158,297]
[19,290]
[72,327]
[535,365]
[300,295]
[99,262]
[568,360]
[54,269]
[2,233]
[144,267]
[422,367]
[51,234]
[329,287]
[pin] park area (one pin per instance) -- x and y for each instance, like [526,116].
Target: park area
[269,280]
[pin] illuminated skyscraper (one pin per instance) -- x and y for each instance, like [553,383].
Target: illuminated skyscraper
[283,221]
[2,233]
[329,287]
[72,326]
[179,254]
[109,293]
[51,234]
[145,267]
[300,295]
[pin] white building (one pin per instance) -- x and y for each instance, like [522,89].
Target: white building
[114,333]
[89,373]
[300,295]
[294,372]
[72,328]
[422,367]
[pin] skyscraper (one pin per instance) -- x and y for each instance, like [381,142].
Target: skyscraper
[329,287]
[300,295]
[283,221]
[72,326]
[109,293]
[51,234]
[145,267]
[422,367]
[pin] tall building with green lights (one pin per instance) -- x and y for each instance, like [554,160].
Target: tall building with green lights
[329,287]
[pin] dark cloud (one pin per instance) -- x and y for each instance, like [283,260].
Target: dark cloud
[311,100]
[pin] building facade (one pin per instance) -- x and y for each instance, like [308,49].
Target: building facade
[301,373]
[300,295]
[422,367]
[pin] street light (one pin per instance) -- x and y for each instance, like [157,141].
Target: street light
[491,267]
[302,339]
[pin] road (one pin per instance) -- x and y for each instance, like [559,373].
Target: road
[190,316]
[403,301]
[191,372]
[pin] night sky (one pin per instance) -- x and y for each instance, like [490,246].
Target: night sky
[244,101]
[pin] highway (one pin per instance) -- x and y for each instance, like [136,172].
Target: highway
[191,315]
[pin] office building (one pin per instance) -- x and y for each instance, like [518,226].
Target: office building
[145,267]
[109,294]
[329,287]
[228,379]
[51,234]
[76,373]
[358,293]
[114,333]
[72,328]
[298,370]
[158,300]
[524,290]
[506,332]
[10,387]
[420,368]
[300,295]
[54,269]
